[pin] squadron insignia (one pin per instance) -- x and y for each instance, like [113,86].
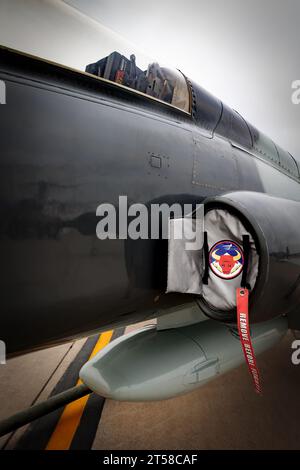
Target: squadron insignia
[226,259]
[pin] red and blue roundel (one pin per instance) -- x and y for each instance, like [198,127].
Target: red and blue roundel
[226,259]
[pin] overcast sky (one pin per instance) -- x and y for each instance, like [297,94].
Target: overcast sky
[246,52]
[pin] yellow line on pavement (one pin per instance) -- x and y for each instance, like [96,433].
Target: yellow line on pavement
[68,423]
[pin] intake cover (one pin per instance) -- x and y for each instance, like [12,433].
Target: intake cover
[273,270]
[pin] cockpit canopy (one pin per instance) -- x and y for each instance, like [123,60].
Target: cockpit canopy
[162,83]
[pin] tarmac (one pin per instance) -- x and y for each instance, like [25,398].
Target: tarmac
[226,413]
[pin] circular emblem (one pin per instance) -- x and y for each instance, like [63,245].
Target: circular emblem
[226,259]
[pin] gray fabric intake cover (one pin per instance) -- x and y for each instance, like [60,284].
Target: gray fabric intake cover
[186,267]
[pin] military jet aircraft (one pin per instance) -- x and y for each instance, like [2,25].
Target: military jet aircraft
[72,140]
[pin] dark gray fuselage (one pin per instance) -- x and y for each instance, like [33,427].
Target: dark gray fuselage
[70,142]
